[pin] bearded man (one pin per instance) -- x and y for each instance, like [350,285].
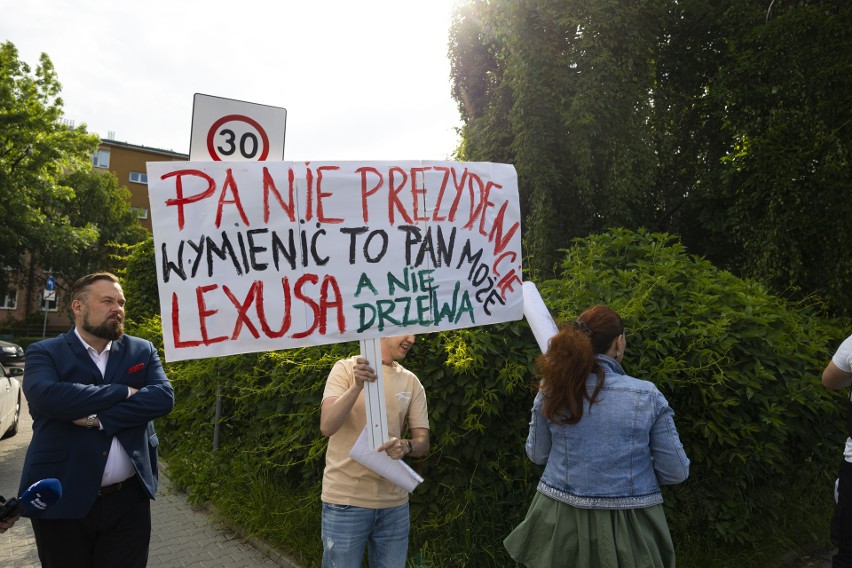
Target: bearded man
[93,393]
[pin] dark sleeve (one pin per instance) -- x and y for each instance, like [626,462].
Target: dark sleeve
[153,400]
[58,387]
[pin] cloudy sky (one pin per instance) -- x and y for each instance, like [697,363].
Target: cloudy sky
[360,80]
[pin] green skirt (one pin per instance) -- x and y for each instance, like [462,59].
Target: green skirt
[555,534]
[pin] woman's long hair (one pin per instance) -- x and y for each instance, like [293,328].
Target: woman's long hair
[570,359]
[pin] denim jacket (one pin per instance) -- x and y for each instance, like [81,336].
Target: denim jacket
[616,457]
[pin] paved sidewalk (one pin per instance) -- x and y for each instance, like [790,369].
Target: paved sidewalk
[182,535]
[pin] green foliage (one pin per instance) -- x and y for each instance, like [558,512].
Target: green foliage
[55,210]
[728,122]
[36,153]
[139,282]
[739,366]
[478,84]
[103,206]
[478,480]
[562,90]
[476,382]
[780,211]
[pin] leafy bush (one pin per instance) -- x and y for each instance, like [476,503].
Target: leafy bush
[739,367]
[139,282]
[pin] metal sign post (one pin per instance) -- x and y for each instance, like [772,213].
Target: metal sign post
[227,130]
[374,395]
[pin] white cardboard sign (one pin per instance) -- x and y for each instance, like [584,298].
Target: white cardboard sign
[255,256]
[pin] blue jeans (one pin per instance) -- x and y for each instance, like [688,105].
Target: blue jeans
[347,529]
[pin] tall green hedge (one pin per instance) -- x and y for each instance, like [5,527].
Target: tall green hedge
[739,366]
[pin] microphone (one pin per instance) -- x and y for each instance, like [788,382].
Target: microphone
[35,499]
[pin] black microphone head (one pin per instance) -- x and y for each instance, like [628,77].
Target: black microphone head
[40,496]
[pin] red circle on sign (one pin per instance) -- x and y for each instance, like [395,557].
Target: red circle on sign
[211,149]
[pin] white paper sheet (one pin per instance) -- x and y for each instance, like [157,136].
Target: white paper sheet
[396,471]
[537,315]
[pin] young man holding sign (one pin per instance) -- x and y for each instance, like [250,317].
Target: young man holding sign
[358,505]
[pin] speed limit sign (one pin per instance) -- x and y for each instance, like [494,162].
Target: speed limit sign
[228,130]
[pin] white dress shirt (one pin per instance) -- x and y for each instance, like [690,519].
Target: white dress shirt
[118,465]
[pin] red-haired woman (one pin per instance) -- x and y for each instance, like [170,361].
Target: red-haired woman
[608,441]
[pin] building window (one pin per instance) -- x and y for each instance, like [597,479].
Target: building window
[51,304]
[101,159]
[138,177]
[10,302]
[140,212]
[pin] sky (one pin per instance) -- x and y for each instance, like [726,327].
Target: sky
[366,80]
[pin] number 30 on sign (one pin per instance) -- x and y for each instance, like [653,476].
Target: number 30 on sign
[237,137]
[226,130]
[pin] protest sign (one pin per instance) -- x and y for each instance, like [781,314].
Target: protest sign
[255,256]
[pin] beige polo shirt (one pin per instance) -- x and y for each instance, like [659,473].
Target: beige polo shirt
[345,481]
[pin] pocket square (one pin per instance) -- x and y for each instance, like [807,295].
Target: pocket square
[136,367]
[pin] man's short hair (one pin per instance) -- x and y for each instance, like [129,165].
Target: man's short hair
[80,289]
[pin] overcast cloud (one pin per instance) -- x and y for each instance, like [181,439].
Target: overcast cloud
[360,80]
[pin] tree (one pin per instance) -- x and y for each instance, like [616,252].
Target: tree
[568,93]
[55,210]
[780,209]
[36,152]
[101,206]
[478,83]
[729,123]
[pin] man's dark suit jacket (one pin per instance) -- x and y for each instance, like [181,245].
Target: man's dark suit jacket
[62,383]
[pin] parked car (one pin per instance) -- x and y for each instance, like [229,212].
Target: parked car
[11,354]
[10,400]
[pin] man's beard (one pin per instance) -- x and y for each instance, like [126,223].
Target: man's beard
[111,330]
